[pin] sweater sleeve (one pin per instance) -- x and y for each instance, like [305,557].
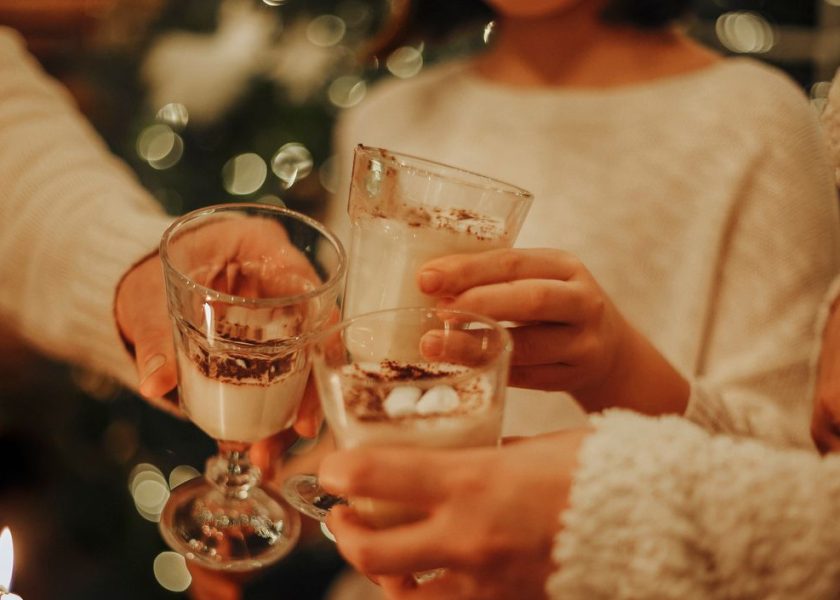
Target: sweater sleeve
[782,238]
[661,509]
[74,220]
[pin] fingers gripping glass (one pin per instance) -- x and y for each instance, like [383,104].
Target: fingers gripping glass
[247,285]
[405,377]
[405,211]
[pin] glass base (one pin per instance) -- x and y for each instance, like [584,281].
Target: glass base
[305,494]
[221,532]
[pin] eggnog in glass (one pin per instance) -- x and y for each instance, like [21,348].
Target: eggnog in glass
[247,286]
[376,395]
[405,211]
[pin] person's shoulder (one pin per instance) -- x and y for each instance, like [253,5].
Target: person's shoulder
[756,90]
[758,104]
[11,42]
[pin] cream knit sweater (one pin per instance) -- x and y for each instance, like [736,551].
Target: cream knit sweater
[703,204]
[73,219]
[662,510]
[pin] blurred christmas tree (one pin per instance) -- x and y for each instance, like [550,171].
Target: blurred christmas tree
[234,100]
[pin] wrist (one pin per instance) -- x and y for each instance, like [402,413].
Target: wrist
[640,379]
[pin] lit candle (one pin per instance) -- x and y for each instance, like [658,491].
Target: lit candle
[7,562]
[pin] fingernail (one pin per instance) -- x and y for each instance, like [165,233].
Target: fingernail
[431,344]
[430,281]
[151,366]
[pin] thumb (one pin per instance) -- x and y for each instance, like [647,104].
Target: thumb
[142,318]
[155,362]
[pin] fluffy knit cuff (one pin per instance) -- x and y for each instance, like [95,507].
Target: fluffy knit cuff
[661,509]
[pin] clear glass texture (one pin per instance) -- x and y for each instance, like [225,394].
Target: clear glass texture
[407,377]
[405,211]
[248,285]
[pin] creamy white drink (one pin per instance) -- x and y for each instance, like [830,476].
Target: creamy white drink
[430,405]
[387,250]
[240,398]
[238,390]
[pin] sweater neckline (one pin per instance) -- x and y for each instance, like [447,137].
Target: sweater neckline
[488,88]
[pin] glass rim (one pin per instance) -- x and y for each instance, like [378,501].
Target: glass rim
[432,168]
[217,296]
[503,354]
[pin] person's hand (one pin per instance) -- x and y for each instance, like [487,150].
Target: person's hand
[239,258]
[491,515]
[825,420]
[569,334]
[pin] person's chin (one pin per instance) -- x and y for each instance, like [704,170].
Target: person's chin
[533,9]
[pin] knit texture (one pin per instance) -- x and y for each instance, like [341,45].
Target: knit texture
[74,220]
[661,509]
[703,204]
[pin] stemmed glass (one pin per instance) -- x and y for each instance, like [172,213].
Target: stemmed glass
[247,285]
[405,377]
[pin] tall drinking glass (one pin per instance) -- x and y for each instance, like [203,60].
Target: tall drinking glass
[443,387]
[405,211]
[247,285]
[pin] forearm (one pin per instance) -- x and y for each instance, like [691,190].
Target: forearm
[661,509]
[642,380]
[74,220]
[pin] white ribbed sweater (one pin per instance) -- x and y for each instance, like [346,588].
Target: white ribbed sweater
[703,204]
[73,219]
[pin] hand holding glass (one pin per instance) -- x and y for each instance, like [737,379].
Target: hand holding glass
[246,287]
[439,383]
[405,211]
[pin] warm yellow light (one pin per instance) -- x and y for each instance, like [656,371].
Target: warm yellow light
[7,558]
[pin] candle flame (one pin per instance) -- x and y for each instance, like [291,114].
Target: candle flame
[7,558]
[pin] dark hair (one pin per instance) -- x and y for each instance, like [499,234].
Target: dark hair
[645,14]
[437,19]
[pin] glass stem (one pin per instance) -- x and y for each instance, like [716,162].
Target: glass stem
[231,470]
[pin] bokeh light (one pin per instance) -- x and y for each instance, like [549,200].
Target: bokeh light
[291,163]
[327,533]
[272,200]
[161,147]
[174,114]
[244,174]
[326,30]
[328,174]
[182,474]
[819,95]
[274,2]
[355,14]
[149,490]
[489,30]
[405,62]
[171,571]
[745,32]
[347,91]
[94,384]
[120,440]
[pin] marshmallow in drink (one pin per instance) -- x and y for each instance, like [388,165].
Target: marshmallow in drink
[417,410]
